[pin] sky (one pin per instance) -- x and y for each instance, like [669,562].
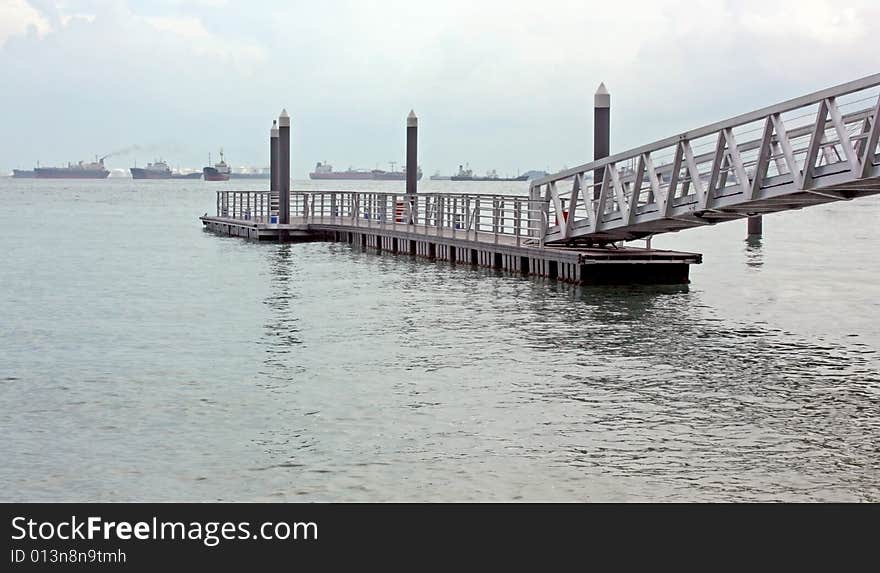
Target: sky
[504,85]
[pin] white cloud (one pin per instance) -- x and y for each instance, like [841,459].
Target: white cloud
[502,84]
[68,19]
[822,21]
[192,31]
[17,17]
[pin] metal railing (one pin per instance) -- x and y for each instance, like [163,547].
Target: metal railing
[246,205]
[813,149]
[495,218]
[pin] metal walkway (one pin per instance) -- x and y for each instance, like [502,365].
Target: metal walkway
[811,150]
[493,231]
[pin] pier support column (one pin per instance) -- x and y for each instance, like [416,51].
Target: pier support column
[273,170]
[412,162]
[284,168]
[756,226]
[412,154]
[601,132]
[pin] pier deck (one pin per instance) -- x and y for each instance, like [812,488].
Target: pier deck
[499,232]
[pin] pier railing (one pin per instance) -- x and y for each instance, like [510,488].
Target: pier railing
[816,148]
[521,218]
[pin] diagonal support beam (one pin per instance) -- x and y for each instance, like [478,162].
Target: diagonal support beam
[787,151]
[572,205]
[603,196]
[843,136]
[652,179]
[763,160]
[557,205]
[863,136]
[693,172]
[715,172]
[738,167]
[633,206]
[815,144]
[669,201]
[871,143]
[616,185]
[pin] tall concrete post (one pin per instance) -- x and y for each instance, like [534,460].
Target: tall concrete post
[273,169]
[601,132]
[756,226]
[284,167]
[412,153]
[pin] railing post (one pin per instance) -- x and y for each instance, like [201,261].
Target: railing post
[476,216]
[501,215]
[441,205]
[356,212]
[454,216]
[495,218]
[545,221]
[517,225]
[534,211]
[427,217]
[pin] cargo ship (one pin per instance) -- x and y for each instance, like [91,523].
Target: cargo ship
[437,177]
[325,171]
[468,175]
[219,172]
[93,170]
[23,173]
[160,170]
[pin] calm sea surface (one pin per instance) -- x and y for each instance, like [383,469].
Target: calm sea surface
[144,359]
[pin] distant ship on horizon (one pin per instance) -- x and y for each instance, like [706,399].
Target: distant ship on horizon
[468,175]
[160,170]
[219,172]
[324,170]
[80,170]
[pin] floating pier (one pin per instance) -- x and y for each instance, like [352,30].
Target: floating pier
[815,149]
[504,232]
[494,231]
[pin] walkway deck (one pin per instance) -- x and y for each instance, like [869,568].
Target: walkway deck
[458,244]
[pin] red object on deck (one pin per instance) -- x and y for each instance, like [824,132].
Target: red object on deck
[400,212]
[564,217]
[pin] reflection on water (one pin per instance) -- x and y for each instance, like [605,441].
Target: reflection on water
[321,372]
[461,374]
[754,253]
[695,399]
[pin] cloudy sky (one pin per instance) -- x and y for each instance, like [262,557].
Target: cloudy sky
[499,84]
